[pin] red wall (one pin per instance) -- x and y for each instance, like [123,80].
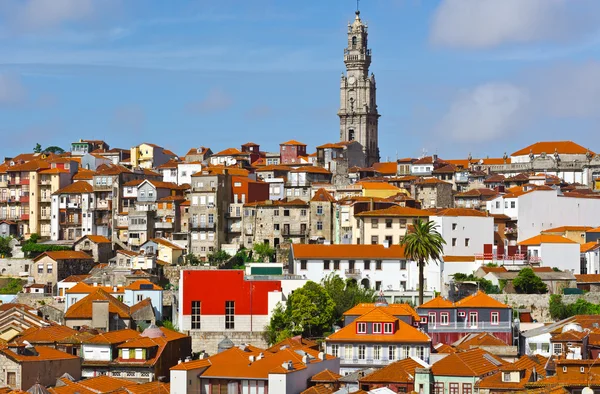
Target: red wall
[213,288]
[254,191]
[291,153]
[450,337]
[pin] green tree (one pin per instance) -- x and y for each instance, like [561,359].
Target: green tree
[264,252]
[191,259]
[54,149]
[5,248]
[486,285]
[345,294]
[527,282]
[13,286]
[218,257]
[37,149]
[422,244]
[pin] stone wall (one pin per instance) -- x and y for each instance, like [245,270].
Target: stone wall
[209,341]
[37,300]
[538,304]
[14,266]
[172,272]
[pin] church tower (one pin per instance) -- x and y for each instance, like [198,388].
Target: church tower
[358,105]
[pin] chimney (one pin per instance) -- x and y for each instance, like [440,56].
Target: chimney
[435,158]
[100,314]
[261,355]
[251,358]
[305,359]
[321,356]
[179,361]
[115,289]
[386,243]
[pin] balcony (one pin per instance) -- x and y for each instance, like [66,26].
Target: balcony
[24,181]
[235,228]
[47,198]
[197,225]
[469,327]
[24,216]
[45,216]
[164,225]
[353,273]
[102,222]
[24,198]
[293,232]
[73,205]
[103,205]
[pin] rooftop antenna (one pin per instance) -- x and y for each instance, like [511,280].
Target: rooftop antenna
[358,6]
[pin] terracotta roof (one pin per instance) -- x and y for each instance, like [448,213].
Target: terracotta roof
[76,188]
[480,300]
[138,283]
[405,333]
[563,229]
[112,170]
[83,309]
[594,230]
[487,269]
[276,203]
[230,152]
[128,252]
[460,212]
[568,336]
[589,246]
[105,384]
[150,388]
[323,196]
[30,166]
[476,340]
[386,168]
[65,255]
[458,259]
[84,288]
[167,243]
[114,337]
[392,309]
[395,210]
[437,302]
[484,193]
[273,167]
[325,376]
[319,389]
[431,181]
[588,278]
[549,147]
[44,353]
[476,363]
[169,164]
[444,349]
[293,142]
[75,278]
[294,343]
[99,239]
[311,169]
[402,371]
[319,251]
[46,334]
[546,239]
[196,364]
[524,365]
[447,169]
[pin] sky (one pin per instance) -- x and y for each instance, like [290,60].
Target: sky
[453,76]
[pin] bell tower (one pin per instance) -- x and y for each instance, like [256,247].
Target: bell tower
[358,105]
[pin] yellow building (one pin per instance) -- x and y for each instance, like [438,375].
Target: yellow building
[389,224]
[168,251]
[574,233]
[149,156]
[380,189]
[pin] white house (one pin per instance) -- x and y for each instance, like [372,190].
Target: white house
[375,266]
[464,230]
[590,257]
[554,251]
[185,170]
[78,197]
[142,289]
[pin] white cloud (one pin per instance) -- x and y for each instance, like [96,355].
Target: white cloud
[491,23]
[484,113]
[12,90]
[215,101]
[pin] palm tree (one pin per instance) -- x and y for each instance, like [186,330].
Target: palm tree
[423,243]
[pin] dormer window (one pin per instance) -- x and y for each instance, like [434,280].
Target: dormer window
[376,328]
[361,328]
[387,328]
[506,376]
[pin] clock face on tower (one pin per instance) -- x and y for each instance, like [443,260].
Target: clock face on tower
[351,80]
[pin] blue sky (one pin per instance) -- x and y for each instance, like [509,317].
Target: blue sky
[454,76]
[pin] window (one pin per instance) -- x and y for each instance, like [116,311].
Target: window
[286,212]
[377,285]
[467,241]
[49,268]
[361,328]
[421,352]
[473,319]
[376,328]
[326,264]
[505,204]
[374,223]
[546,347]
[335,350]
[362,350]
[389,239]
[497,204]
[229,315]
[438,388]
[378,264]
[495,318]
[388,223]
[319,209]
[387,328]
[319,226]
[367,264]
[462,314]
[444,318]
[506,376]
[391,353]
[582,369]
[140,297]
[557,347]
[453,241]
[276,227]
[374,239]
[11,379]
[432,319]
[40,268]
[453,388]
[336,264]
[377,352]
[467,388]
[348,352]
[513,204]
[454,226]
[303,212]
[276,212]
[196,313]
[402,223]
[405,351]
[302,264]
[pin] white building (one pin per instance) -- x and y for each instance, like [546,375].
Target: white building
[554,251]
[590,256]
[76,203]
[464,230]
[185,170]
[373,266]
[545,208]
[142,289]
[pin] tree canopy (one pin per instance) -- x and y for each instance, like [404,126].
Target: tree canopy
[487,286]
[421,244]
[263,252]
[345,294]
[527,282]
[5,248]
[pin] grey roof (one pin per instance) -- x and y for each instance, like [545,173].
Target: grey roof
[547,328]
[545,276]
[354,376]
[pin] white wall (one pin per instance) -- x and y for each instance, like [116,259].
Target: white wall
[185,382]
[593,261]
[561,256]
[479,231]
[185,171]
[96,352]
[296,382]
[54,218]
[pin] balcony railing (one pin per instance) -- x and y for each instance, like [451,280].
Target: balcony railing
[24,198]
[163,225]
[103,205]
[468,326]
[353,273]
[45,198]
[202,225]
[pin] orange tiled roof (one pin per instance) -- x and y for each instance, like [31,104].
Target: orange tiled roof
[525,364]
[392,309]
[378,186]
[318,251]
[230,152]
[311,170]
[549,147]
[114,337]
[476,363]
[65,255]
[563,229]
[323,196]
[594,230]
[460,212]
[444,349]
[319,389]
[137,284]
[402,371]
[83,309]
[325,376]
[587,278]
[84,288]
[431,181]
[75,278]
[589,246]
[45,334]
[405,333]
[437,302]
[104,384]
[476,340]
[546,239]
[76,188]
[480,300]
[293,142]
[458,259]
[99,239]
[44,353]
[386,168]
[395,210]
[150,388]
